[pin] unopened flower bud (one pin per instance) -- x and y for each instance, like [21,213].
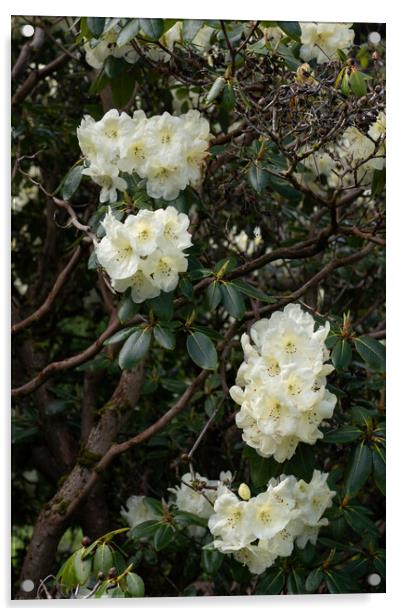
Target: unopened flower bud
[112,573]
[85,541]
[244,491]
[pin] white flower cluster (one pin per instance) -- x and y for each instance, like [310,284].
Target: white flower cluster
[266,526]
[137,511]
[145,253]
[168,151]
[281,385]
[354,157]
[322,40]
[197,494]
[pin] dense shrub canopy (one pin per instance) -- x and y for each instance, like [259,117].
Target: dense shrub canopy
[198,234]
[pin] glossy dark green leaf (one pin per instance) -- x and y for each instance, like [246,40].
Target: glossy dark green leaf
[357,518]
[314,579]
[291,28]
[135,348]
[164,337]
[123,334]
[214,295]
[163,536]
[103,559]
[358,83]
[337,583]
[186,288]
[271,583]
[372,351]
[152,27]
[113,66]
[82,567]
[202,351]
[135,584]
[378,181]
[362,415]
[154,504]
[233,300]
[341,355]
[359,469]
[122,88]
[162,306]
[345,434]
[228,97]
[302,464]
[145,529]
[96,25]
[127,310]
[71,182]
[129,31]
[250,291]
[258,178]
[379,468]
[379,562]
[211,561]
[295,583]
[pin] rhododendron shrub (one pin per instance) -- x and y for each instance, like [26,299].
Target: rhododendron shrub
[198,235]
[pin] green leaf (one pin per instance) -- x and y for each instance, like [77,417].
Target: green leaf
[145,529]
[359,469]
[295,583]
[379,468]
[164,337]
[341,355]
[163,536]
[337,583]
[186,518]
[123,334]
[379,562]
[71,182]
[372,351]
[314,579]
[346,434]
[82,567]
[345,88]
[214,295]
[66,574]
[258,178]
[135,348]
[127,310]
[211,561]
[358,83]
[291,28]
[96,25]
[122,89]
[271,583]
[103,559]
[228,97]
[357,518]
[233,300]
[250,291]
[154,504]
[378,181]
[191,27]
[362,415]
[129,31]
[302,463]
[261,469]
[152,27]
[162,306]
[135,585]
[202,351]
[186,288]
[114,66]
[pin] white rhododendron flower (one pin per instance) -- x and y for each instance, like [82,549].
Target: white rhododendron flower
[167,151]
[258,530]
[281,385]
[243,242]
[137,511]
[197,494]
[322,40]
[145,252]
[97,50]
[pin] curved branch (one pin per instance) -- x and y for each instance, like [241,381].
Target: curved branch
[47,304]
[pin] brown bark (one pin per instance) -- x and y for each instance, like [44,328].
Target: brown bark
[55,516]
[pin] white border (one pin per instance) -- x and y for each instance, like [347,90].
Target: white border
[306,10]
